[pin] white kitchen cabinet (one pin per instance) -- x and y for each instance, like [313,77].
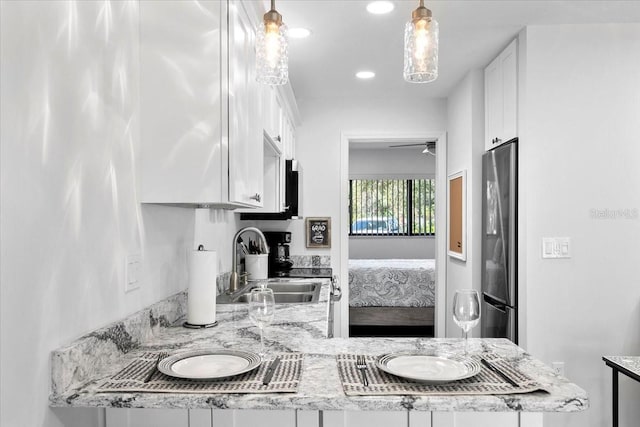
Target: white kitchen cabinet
[288,137]
[278,123]
[116,417]
[501,97]
[264,418]
[476,419]
[278,135]
[430,419]
[366,419]
[272,179]
[273,115]
[121,417]
[201,136]
[245,130]
[486,419]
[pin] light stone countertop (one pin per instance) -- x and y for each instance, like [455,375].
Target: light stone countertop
[629,363]
[78,368]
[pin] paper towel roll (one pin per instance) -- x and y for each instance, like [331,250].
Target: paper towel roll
[201,299]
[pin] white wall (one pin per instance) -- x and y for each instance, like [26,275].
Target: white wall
[391,163]
[390,247]
[579,151]
[404,161]
[318,150]
[69,210]
[465,126]
[215,228]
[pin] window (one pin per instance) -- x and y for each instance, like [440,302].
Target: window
[395,207]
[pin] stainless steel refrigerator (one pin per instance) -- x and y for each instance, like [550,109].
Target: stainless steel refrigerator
[499,242]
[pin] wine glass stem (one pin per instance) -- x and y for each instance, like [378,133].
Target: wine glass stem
[465,342]
[261,341]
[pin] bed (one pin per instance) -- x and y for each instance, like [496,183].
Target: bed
[391,292]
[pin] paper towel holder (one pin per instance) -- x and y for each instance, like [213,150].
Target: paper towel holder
[208,325]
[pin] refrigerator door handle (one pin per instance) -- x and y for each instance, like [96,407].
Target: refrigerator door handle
[495,303]
[490,299]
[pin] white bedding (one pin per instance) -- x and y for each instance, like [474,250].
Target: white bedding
[392,282]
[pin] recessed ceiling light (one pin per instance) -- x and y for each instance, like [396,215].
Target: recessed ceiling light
[365,75]
[380,7]
[298,33]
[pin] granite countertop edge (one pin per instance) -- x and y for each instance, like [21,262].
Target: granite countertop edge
[77,369]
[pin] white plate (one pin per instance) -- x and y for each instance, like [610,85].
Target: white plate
[209,364]
[428,369]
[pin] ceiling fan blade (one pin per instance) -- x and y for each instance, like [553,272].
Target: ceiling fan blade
[407,145]
[430,148]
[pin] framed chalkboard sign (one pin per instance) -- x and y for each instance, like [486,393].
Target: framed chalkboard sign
[318,232]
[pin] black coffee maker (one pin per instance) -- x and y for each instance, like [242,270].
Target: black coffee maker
[279,260]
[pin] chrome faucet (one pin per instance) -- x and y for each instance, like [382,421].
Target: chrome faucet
[234,279]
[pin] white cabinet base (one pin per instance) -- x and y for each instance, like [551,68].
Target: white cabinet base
[486,419]
[292,418]
[199,417]
[365,418]
[147,417]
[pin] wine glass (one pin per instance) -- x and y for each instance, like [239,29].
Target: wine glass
[261,310]
[466,311]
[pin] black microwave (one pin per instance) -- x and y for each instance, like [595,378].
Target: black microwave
[292,181]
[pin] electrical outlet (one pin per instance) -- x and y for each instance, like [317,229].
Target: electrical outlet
[133,269]
[558,368]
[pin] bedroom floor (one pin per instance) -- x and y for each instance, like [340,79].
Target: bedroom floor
[390,331]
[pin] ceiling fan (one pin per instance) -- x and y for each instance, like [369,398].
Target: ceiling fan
[430,146]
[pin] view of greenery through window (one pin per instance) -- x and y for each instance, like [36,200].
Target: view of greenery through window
[392,207]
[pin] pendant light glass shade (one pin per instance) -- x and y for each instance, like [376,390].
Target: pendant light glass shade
[421,47]
[272,50]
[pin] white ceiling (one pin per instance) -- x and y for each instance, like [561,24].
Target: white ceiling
[346,38]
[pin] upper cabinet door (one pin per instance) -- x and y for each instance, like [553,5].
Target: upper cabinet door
[509,59]
[493,103]
[245,123]
[288,138]
[201,133]
[273,115]
[181,106]
[501,97]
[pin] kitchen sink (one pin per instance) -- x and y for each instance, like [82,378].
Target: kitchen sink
[284,292]
[293,287]
[281,298]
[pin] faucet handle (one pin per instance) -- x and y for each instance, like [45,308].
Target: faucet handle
[336,290]
[244,278]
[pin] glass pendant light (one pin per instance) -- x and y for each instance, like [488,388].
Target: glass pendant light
[272,52]
[421,47]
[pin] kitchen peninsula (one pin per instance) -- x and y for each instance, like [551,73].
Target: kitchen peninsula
[79,369]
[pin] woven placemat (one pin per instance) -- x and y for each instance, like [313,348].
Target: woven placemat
[131,379]
[382,383]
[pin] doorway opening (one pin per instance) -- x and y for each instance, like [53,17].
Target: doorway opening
[393,227]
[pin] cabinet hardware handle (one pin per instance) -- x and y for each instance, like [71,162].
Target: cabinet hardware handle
[256,197]
[278,138]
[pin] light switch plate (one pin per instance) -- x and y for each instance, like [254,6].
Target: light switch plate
[133,267]
[556,247]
